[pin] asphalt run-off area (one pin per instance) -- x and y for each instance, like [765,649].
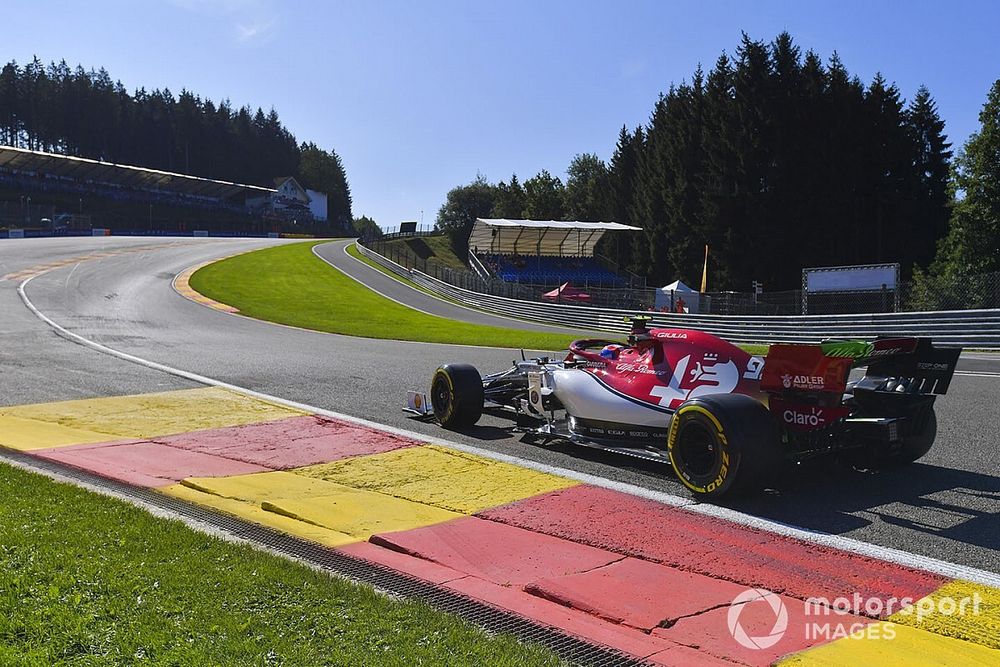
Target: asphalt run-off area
[113,365]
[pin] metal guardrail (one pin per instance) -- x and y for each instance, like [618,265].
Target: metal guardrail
[966,328]
[476,264]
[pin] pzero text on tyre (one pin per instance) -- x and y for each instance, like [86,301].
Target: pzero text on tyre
[724,443]
[457,395]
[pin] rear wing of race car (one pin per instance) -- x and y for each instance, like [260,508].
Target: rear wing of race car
[806,383]
[913,363]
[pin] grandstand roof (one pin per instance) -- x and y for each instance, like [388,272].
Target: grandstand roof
[541,237]
[86,169]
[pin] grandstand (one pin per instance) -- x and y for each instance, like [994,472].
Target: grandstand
[37,188]
[543,252]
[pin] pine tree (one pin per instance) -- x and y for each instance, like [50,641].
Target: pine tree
[648,205]
[930,199]
[886,165]
[9,103]
[685,228]
[755,238]
[719,183]
[622,173]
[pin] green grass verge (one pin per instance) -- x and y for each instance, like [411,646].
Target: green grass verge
[290,285]
[89,580]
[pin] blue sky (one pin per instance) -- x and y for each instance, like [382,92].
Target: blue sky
[420,96]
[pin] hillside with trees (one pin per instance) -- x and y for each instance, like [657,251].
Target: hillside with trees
[774,158]
[85,113]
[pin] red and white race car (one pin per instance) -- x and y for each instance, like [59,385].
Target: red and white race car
[724,420]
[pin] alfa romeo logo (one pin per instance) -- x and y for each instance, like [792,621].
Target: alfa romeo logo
[740,603]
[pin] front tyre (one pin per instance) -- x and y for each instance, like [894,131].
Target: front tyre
[457,395]
[724,443]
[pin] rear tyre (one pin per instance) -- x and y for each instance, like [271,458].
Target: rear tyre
[457,395]
[724,444]
[915,445]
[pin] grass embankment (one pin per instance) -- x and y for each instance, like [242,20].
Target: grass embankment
[434,248]
[290,285]
[88,580]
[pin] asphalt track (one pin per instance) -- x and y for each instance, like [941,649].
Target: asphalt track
[945,506]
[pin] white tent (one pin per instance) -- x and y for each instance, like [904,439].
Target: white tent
[539,237]
[691,298]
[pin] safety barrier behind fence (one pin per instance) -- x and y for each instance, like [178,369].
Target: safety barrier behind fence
[967,328]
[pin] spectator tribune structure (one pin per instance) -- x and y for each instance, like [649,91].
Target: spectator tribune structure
[45,190]
[543,252]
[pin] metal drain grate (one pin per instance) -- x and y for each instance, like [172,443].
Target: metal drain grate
[491,619]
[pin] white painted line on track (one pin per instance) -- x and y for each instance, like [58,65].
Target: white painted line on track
[977,374]
[897,556]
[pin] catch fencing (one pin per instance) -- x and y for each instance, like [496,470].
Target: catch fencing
[978,328]
[920,294]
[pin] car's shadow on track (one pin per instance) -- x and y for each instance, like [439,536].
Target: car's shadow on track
[481,432]
[832,497]
[956,505]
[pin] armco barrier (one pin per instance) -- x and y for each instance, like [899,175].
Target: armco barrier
[966,328]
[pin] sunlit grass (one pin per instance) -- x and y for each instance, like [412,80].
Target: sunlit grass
[290,285]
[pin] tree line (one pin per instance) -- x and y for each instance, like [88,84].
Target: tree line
[775,159]
[84,113]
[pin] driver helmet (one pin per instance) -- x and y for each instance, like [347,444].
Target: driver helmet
[611,351]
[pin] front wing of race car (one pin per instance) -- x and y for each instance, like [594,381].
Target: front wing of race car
[418,405]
